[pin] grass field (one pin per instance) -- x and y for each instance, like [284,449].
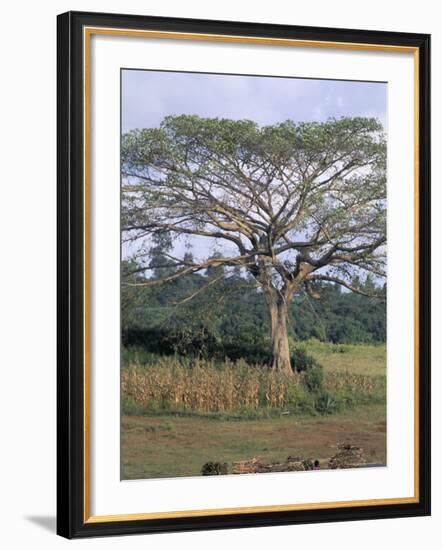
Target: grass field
[168,446]
[358,359]
[160,443]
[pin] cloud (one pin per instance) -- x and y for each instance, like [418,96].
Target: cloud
[149,96]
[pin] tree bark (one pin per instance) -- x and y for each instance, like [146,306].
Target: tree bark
[280,342]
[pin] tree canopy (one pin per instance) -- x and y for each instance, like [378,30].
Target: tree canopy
[290,204]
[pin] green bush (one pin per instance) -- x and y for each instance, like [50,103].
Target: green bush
[314,378]
[299,400]
[339,348]
[312,371]
[131,407]
[326,403]
[302,361]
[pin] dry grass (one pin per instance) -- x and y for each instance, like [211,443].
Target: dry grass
[207,387]
[359,383]
[204,386]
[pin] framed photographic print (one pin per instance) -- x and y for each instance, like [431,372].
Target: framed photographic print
[243,274]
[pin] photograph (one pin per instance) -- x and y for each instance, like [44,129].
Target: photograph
[228,214]
[253,277]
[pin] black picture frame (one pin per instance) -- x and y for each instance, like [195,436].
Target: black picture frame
[71,390]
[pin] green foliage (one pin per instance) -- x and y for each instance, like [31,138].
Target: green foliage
[300,400]
[326,403]
[229,319]
[245,139]
[338,317]
[302,361]
[351,390]
[313,378]
[312,370]
[131,407]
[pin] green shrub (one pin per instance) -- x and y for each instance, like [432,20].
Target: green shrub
[326,403]
[312,371]
[339,349]
[314,378]
[302,361]
[299,400]
[131,406]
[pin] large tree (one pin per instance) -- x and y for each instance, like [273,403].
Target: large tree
[288,204]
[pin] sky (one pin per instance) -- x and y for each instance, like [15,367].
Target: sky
[149,96]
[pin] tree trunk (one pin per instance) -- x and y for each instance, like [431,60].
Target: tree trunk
[280,342]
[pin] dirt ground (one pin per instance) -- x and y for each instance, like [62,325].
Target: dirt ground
[173,446]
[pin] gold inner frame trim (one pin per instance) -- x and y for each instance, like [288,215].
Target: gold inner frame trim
[87,33]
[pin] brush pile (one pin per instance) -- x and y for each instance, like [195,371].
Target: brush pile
[348,456]
[252,466]
[256,466]
[214,469]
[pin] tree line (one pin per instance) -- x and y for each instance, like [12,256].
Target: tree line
[228,318]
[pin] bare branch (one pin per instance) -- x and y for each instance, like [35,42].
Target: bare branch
[202,289]
[343,283]
[292,198]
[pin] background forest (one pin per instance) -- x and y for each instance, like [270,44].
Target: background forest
[229,318]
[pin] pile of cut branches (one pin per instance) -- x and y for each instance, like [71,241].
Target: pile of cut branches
[348,456]
[256,466]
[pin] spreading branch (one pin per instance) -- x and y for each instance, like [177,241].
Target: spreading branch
[298,202]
